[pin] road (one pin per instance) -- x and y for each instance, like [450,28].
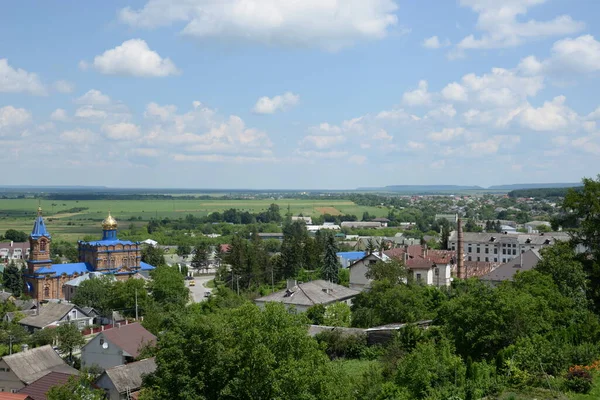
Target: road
[198,290]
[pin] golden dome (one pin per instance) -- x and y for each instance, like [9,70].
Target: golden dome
[109,223]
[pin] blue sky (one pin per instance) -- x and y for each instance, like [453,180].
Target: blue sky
[327,94]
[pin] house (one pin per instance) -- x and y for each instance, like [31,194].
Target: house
[452,218]
[506,272]
[38,389]
[14,396]
[302,296]
[359,268]
[54,314]
[325,226]
[306,220]
[14,250]
[383,221]
[347,258]
[116,346]
[362,224]
[276,236]
[534,226]
[70,287]
[150,242]
[26,367]
[122,381]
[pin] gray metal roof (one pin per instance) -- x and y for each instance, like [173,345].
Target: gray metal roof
[48,314]
[505,272]
[30,365]
[314,330]
[311,293]
[129,376]
[521,238]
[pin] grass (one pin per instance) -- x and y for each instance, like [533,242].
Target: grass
[65,224]
[356,368]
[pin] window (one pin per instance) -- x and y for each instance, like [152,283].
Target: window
[495,250]
[47,291]
[478,250]
[453,248]
[101,342]
[42,245]
[478,258]
[503,251]
[514,252]
[522,251]
[418,277]
[487,250]
[495,259]
[469,258]
[487,259]
[470,250]
[437,271]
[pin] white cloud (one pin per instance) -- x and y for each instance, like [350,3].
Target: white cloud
[498,20]
[59,115]
[418,97]
[316,155]
[446,134]
[93,97]
[90,113]
[164,113]
[133,58]
[64,86]
[594,114]
[444,111]
[327,24]
[382,134]
[12,117]
[326,128]
[455,92]
[323,142]
[266,105]
[357,159]
[530,66]
[434,43]
[78,136]
[145,152]
[122,131]
[18,80]
[415,145]
[552,116]
[579,55]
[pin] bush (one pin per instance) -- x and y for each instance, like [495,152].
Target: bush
[579,380]
[341,345]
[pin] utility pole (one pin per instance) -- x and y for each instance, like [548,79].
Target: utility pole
[10,340]
[238,285]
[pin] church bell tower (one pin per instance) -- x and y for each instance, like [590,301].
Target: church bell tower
[39,245]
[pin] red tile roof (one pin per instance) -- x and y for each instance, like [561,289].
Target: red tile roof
[14,396]
[416,258]
[38,389]
[225,248]
[131,337]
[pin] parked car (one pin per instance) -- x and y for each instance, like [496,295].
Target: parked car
[192,283]
[207,293]
[189,278]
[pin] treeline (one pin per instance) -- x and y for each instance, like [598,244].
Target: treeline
[550,193]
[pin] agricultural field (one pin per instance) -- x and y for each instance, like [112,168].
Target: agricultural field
[73,219]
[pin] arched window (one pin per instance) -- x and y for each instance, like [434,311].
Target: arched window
[46,291]
[42,245]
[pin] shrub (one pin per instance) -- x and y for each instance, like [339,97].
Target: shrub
[340,345]
[579,380]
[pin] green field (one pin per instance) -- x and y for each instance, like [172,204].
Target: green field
[66,224]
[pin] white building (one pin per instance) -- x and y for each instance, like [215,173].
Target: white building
[360,267]
[500,247]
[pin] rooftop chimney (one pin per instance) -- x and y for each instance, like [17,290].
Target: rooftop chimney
[291,283]
[24,347]
[460,268]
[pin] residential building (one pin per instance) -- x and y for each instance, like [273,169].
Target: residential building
[506,272]
[306,220]
[452,218]
[14,251]
[38,389]
[276,236]
[302,296]
[123,381]
[347,258]
[383,221]
[14,396]
[362,224]
[325,226]
[116,346]
[500,247]
[534,226]
[359,268]
[24,368]
[110,255]
[54,314]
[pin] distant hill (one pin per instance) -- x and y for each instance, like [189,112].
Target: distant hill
[534,186]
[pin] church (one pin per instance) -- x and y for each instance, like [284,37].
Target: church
[110,255]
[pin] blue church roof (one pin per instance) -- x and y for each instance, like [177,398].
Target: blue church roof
[110,242]
[69,269]
[146,267]
[39,228]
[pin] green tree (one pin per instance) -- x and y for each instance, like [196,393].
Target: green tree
[371,246]
[42,337]
[200,258]
[16,236]
[122,295]
[183,250]
[168,287]
[96,293]
[245,353]
[13,279]
[154,256]
[393,271]
[337,314]
[69,338]
[78,387]
[331,264]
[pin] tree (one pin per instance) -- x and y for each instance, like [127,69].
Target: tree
[337,314]
[168,287]
[366,216]
[200,258]
[153,256]
[42,337]
[16,236]
[371,246]
[78,387]
[183,250]
[393,271]
[123,296]
[13,279]
[331,264]
[96,293]
[69,338]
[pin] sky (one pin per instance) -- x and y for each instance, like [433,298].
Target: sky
[311,94]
